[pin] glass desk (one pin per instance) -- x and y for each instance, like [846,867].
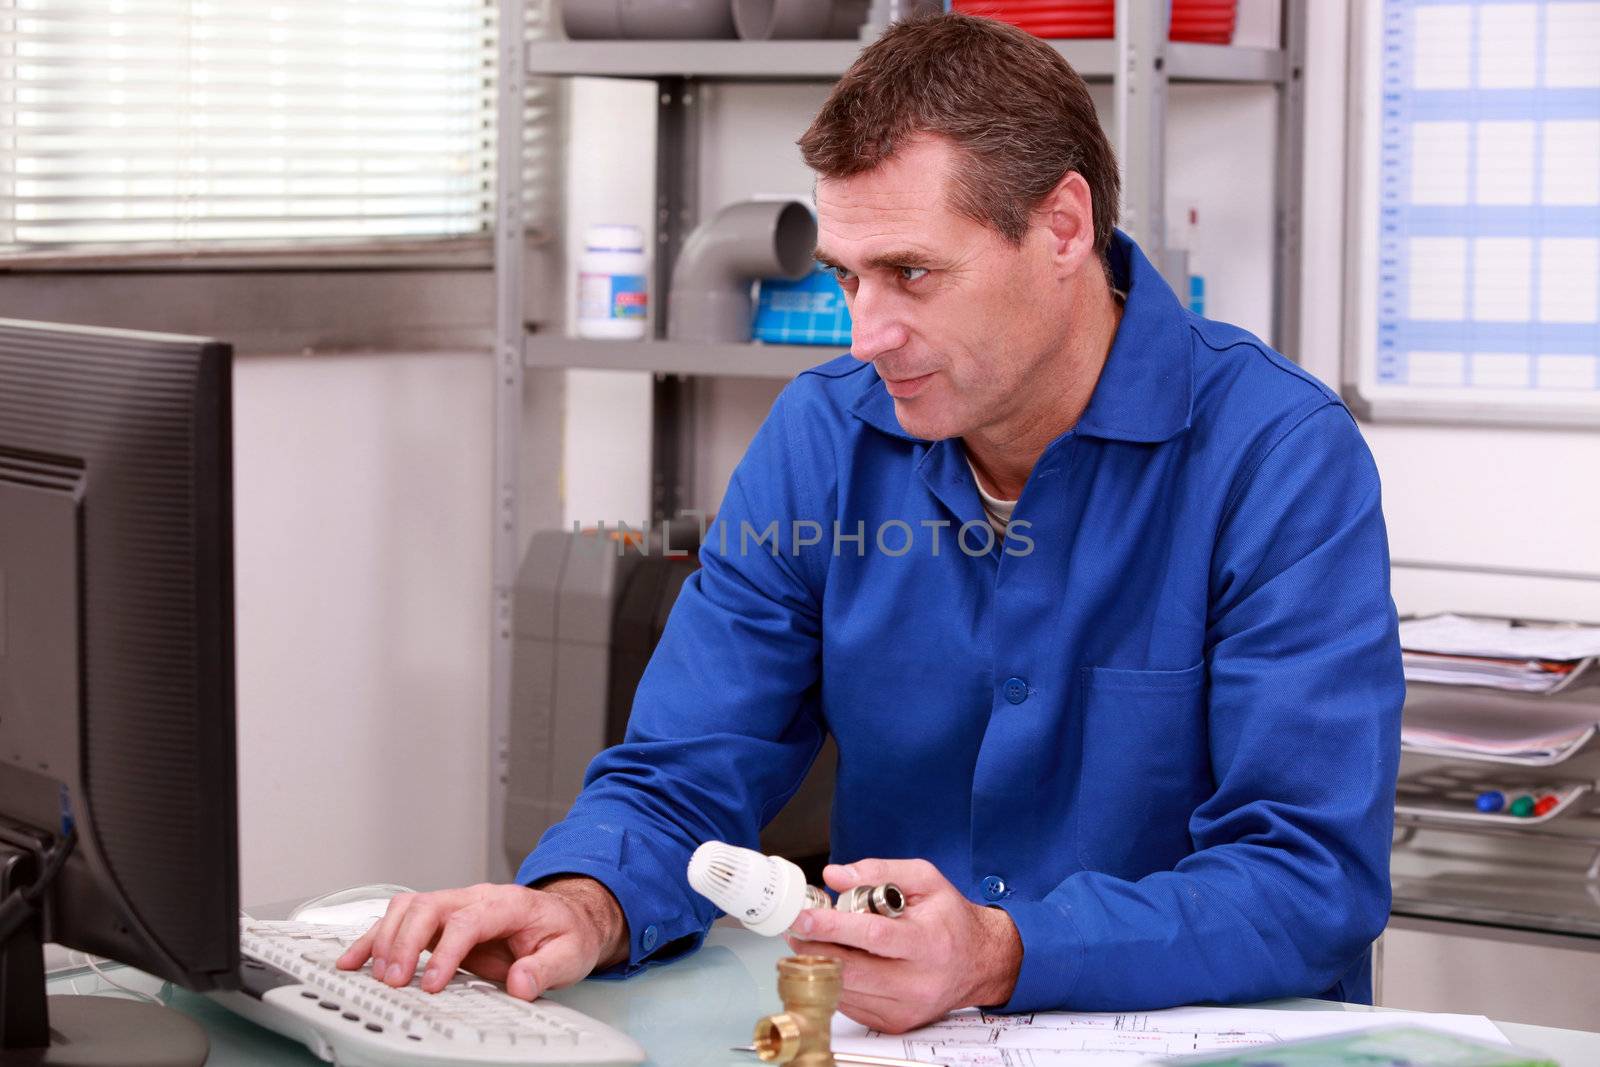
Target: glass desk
[686,1014]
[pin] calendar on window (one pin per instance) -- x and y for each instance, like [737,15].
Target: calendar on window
[1475,197]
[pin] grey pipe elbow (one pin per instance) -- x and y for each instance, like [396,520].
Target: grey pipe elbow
[711,281]
[764,20]
[683,20]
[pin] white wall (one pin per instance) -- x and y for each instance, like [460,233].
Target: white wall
[606,421]
[362,580]
[362,532]
[1508,975]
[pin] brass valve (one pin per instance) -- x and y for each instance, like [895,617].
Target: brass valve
[802,1035]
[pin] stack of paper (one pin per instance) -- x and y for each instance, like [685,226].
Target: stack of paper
[1524,676]
[1484,726]
[1500,653]
[1509,742]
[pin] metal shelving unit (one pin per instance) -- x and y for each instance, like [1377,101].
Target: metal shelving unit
[754,360]
[826,60]
[1140,63]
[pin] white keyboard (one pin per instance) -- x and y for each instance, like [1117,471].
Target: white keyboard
[289,983]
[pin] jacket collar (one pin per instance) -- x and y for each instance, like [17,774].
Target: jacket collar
[1146,389]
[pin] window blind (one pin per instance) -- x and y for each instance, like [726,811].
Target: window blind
[185,125]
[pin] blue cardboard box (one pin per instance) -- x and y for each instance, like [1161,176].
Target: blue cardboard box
[810,311]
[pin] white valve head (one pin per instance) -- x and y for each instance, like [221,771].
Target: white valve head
[765,893]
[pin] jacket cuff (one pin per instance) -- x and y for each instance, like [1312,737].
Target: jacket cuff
[1052,956]
[656,933]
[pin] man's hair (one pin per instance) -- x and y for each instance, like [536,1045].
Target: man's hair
[1016,112]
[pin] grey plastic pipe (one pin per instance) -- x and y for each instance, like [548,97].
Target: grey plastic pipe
[680,20]
[762,20]
[711,282]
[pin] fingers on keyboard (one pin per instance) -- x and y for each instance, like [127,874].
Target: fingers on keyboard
[359,952]
[492,918]
[463,931]
[418,930]
[388,926]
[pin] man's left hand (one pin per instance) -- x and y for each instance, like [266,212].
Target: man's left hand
[943,953]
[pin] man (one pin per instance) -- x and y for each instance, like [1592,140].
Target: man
[1091,592]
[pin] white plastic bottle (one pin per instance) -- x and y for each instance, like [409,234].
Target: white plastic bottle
[613,293]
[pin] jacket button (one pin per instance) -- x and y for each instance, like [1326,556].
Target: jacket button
[650,937]
[994,887]
[1016,690]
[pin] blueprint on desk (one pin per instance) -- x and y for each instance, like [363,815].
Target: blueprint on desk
[972,1038]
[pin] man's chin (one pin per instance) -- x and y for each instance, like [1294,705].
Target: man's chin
[919,418]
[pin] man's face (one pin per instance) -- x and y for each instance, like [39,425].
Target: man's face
[956,319]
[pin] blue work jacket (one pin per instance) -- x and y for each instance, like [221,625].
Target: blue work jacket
[1164,738]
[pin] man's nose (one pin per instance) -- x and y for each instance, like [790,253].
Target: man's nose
[876,329]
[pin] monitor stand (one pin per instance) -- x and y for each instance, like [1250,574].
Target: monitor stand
[79,1031]
[90,1031]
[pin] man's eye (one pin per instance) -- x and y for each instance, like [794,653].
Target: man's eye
[841,273]
[912,274]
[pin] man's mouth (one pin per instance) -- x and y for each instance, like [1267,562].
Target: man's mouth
[906,387]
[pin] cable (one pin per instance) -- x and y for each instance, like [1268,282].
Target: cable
[76,958]
[23,904]
[110,981]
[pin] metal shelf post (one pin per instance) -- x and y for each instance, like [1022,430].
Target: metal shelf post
[677,211]
[1139,119]
[1288,217]
[509,266]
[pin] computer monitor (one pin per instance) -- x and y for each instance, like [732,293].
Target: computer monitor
[116,681]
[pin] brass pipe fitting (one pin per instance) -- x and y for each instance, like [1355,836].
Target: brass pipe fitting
[883,899]
[802,1035]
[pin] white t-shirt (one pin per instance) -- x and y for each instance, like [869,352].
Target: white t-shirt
[998,511]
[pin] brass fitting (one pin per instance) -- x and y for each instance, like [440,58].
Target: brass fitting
[885,899]
[816,898]
[802,1034]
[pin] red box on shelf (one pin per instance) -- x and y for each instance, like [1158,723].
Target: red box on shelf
[1196,21]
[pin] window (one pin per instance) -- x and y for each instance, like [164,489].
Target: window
[138,126]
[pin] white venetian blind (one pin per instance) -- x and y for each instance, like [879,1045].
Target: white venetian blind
[185,125]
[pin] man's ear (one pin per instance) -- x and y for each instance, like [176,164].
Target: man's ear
[1066,214]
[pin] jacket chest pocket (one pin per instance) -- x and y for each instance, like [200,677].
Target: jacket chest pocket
[1146,767]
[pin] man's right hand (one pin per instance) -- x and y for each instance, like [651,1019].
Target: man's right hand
[533,940]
